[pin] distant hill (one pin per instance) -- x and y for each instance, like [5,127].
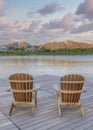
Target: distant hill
[68,44]
[20,44]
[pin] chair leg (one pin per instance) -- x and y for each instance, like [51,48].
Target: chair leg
[59,109]
[11,109]
[82,110]
[36,99]
[57,96]
[33,109]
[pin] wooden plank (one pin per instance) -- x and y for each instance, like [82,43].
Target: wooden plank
[90,127]
[5,123]
[46,115]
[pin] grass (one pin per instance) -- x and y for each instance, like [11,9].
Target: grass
[48,52]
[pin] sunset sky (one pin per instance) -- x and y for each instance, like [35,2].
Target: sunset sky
[41,21]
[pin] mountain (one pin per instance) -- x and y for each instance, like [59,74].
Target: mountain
[69,44]
[20,44]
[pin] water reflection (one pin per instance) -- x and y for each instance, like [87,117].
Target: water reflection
[21,62]
[40,65]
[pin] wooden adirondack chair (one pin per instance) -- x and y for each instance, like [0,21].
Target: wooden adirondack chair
[23,91]
[71,87]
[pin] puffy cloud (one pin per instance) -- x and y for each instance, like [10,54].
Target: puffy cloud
[4,37]
[35,31]
[66,23]
[86,9]
[83,37]
[83,28]
[49,8]
[4,26]
[2,8]
[34,26]
[7,25]
[14,30]
[44,36]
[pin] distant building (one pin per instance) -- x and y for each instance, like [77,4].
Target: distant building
[33,48]
[3,48]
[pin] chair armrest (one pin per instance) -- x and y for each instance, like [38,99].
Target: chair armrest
[36,86]
[56,87]
[84,91]
[8,90]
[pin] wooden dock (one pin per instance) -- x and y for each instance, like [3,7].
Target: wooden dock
[46,114]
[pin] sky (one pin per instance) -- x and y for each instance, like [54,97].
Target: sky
[41,21]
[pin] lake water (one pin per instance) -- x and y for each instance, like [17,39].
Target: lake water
[42,65]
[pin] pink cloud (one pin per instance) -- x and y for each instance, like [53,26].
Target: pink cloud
[86,9]
[50,8]
[66,23]
[2,8]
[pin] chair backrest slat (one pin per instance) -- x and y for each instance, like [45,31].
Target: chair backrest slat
[21,86]
[68,83]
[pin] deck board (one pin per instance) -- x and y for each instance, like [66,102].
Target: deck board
[46,114]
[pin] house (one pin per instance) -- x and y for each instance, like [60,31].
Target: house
[33,48]
[3,48]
